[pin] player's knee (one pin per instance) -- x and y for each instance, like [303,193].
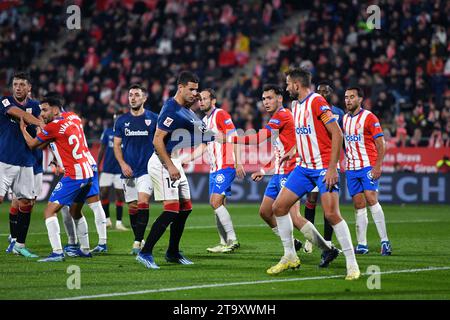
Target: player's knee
[132,208]
[216,202]
[371,199]
[25,205]
[279,209]
[312,198]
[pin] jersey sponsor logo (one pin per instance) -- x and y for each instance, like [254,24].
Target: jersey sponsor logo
[137,133]
[148,122]
[353,138]
[276,121]
[228,121]
[6,103]
[220,178]
[303,130]
[168,121]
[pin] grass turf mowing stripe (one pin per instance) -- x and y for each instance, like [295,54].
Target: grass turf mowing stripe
[217,285]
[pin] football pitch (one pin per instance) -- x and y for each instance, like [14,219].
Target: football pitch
[418,269]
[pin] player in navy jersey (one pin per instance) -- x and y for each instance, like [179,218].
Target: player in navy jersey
[110,177]
[133,147]
[326,91]
[178,127]
[17,160]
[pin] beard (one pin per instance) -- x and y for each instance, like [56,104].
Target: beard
[293,95]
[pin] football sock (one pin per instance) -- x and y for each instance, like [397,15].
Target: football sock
[361,226]
[344,238]
[13,212]
[327,230]
[53,234]
[105,205]
[285,229]
[378,218]
[158,228]
[176,230]
[119,210]
[133,221]
[82,233]
[310,211]
[310,232]
[225,220]
[69,226]
[221,230]
[100,221]
[23,223]
[141,220]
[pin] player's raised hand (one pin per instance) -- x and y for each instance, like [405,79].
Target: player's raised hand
[288,155]
[257,176]
[240,171]
[331,178]
[126,170]
[173,172]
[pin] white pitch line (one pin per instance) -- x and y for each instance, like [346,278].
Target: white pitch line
[246,226]
[220,285]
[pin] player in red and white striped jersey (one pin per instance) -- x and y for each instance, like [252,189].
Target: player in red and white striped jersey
[282,130]
[225,164]
[70,150]
[319,141]
[364,151]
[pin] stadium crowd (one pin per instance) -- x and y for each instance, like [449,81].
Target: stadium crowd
[403,67]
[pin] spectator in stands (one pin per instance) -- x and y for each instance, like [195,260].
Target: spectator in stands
[443,165]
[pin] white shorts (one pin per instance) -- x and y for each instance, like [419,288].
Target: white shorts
[165,188]
[133,186]
[18,179]
[38,184]
[316,189]
[109,179]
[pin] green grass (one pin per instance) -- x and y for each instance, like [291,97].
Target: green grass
[419,235]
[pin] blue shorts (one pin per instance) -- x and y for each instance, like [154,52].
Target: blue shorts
[220,181]
[69,190]
[275,185]
[360,180]
[302,181]
[95,188]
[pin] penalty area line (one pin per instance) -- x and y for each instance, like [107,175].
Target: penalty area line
[221,285]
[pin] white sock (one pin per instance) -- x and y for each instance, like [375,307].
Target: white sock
[225,220]
[275,230]
[361,225]
[69,225]
[53,234]
[100,221]
[285,229]
[378,218]
[345,240]
[310,232]
[221,231]
[82,233]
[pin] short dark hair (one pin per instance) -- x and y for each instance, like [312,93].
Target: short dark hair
[276,88]
[325,83]
[300,74]
[22,75]
[54,99]
[358,90]
[186,76]
[212,93]
[138,86]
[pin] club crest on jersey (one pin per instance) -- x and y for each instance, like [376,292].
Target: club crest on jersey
[148,122]
[369,175]
[168,121]
[303,130]
[283,182]
[58,186]
[220,178]
[323,172]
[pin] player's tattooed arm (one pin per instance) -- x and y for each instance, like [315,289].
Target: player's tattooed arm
[31,142]
[160,148]
[331,177]
[126,169]
[381,150]
[18,113]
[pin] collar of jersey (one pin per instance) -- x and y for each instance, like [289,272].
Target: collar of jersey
[212,113]
[306,97]
[357,113]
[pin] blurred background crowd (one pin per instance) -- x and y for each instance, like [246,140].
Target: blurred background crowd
[403,67]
